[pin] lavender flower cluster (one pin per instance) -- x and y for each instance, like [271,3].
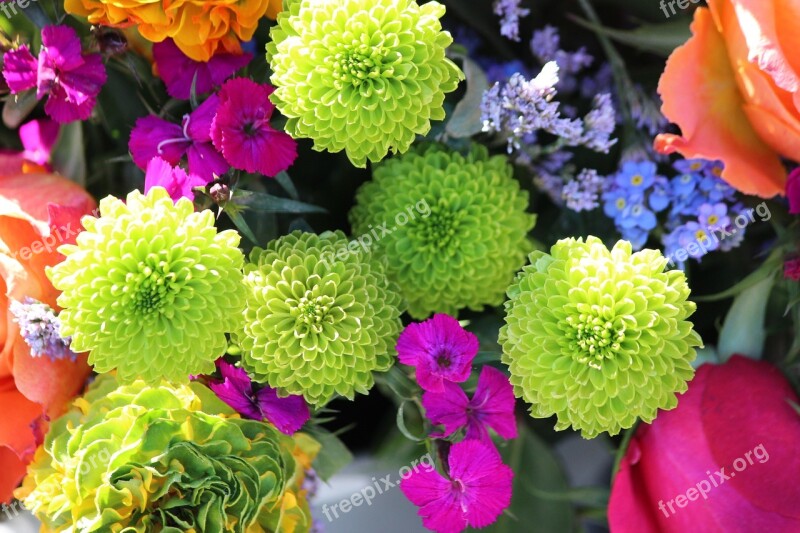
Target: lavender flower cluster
[41,329]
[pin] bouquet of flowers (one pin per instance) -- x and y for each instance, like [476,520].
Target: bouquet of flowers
[240,241]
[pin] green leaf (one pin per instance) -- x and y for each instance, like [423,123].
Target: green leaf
[466,118]
[743,331]
[69,158]
[241,224]
[36,14]
[770,267]
[285,181]
[266,203]
[536,473]
[661,39]
[18,107]
[399,383]
[333,456]
[401,423]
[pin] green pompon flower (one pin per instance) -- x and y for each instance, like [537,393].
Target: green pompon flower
[364,76]
[321,316]
[151,288]
[455,227]
[597,337]
[167,458]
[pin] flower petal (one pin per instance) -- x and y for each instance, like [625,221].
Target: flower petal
[448,408]
[153,136]
[19,69]
[701,95]
[493,404]
[287,414]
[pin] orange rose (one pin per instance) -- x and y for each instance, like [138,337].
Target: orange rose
[32,389]
[734,90]
[200,28]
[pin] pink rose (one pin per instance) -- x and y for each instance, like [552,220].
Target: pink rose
[724,461]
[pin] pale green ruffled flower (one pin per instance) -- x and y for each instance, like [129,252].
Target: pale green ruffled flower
[364,76]
[151,288]
[597,337]
[320,317]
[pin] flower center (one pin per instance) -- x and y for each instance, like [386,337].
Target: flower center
[593,338]
[439,230]
[443,359]
[637,180]
[312,311]
[150,289]
[359,63]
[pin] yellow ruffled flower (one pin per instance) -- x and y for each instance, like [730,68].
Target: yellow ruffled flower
[200,28]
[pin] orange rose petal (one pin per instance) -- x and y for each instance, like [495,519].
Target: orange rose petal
[769,108]
[53,384]
[19,413]
[17,439]
[758,22]
[787,20]
[701,96]
[13,471]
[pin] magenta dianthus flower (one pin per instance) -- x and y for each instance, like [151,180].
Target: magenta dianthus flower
[492,406]
[175,180]
[70,79]
[155,137]
[440,349]
[242,131]
[178,70]
[287,414]
[478,491]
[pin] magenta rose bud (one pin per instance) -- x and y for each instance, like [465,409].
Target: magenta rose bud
[725,459]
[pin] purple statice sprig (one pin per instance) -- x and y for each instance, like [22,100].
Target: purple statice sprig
[546,47]
[583,192]
[40,327]
[521,109]
[510,14]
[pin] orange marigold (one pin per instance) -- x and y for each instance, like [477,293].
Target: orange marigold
[200,28]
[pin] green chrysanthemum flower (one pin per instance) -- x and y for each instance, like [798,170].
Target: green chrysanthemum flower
[320,317]
[364,76]
[460,230]
[151,288]
[168,458]
[597,337]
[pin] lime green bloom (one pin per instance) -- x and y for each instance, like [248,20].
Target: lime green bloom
[167,458]
[458,227]
[597,337]
[151,288]
[320,317]
[364,76]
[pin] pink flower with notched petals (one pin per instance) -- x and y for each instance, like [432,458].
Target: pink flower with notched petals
[178,70]
[288,414]
[155,137]
[478,491]
[440,349]
[175,180]
[492,406]
[243,133]
[71,80]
